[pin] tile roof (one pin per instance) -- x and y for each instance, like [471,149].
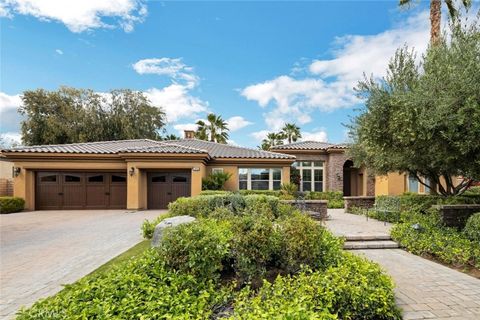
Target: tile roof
[309,145]
[185,146]
[218,150]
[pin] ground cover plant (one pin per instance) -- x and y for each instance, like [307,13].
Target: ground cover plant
[246,257]
[11,204]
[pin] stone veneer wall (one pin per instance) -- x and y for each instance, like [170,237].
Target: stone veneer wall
[364,202]
[316,208]
[456,215]
[370,185]
[335,171]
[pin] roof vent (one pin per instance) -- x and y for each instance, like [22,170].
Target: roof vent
[189,134]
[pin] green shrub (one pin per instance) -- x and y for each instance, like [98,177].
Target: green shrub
[446,244]
[253,244]
[214,192]
[472,228]
[197,248]
[334,198]
[288,189]
[353,289]
[194,206]
[274,193]
[148,226]
[473,191]
[11,204]
[139,289]
[215,181]
[302,241]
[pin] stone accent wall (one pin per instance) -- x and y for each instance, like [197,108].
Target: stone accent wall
[456,215]
[370,185]
[335,171]
[6,187]
[364,202]
[316,208]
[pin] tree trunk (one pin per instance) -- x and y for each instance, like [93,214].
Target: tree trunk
[435,19]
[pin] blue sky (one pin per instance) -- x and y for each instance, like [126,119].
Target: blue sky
[258,64]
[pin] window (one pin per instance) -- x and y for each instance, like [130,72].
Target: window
[159,179]
[412,184]
[118,178]
[259,178]
[217,170]
[49,178]
[311,175]
[72,178]
[179,179]
[97,178]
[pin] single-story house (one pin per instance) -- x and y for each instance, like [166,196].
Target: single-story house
[147,174]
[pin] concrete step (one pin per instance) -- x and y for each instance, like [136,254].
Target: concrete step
[359,245]
[369,237]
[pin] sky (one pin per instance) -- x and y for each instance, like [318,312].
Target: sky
[257,64]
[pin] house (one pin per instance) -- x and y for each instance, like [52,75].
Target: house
[136,174]
[326,167]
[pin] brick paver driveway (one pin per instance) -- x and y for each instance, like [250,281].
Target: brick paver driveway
[424,289]
[41,250]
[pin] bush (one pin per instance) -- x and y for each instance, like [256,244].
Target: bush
[148,226]
[253,244]
[274,193]
[472,191]
[446,244]
[334,198]
[139,289]
[11,204]
[215,181]
[288,189]
[214,192]
[353,289]
[302,241]
[196,248]
[472,228]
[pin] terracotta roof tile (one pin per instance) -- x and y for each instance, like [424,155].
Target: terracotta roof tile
[309,145]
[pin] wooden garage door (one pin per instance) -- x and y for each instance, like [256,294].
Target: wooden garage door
[80,190]
[165,187]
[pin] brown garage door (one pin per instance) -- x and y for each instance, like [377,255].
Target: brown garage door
[81,190]
[165,187]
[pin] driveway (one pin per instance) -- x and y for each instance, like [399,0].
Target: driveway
[41,250]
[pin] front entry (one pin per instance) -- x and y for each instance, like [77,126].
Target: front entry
[165,187]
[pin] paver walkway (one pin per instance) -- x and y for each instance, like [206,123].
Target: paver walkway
[41,250]
[424,289]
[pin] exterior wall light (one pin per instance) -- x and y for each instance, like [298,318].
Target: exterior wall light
[195,169]
[131,172]
[16,171]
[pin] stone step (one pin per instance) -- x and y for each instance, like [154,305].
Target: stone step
[364,237]
[359,245]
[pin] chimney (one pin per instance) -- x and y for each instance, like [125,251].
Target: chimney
[189,134]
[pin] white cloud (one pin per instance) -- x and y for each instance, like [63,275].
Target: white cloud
[185,126]
[172,67]
[259,135]
[58,51]
[236,123]
[79,16]
[9,139]
[8,102]
[320,135]
[329,83]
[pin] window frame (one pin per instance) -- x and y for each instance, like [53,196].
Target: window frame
[249,177]
[299,165]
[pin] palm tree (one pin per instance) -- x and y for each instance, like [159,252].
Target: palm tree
[171,137]
[291,132]
[214,130]
[436,14]
[272,139]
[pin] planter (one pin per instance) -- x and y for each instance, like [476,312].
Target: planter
[364,202]
[456,215]
[317,209]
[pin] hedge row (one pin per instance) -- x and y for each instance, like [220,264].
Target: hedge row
[11,204]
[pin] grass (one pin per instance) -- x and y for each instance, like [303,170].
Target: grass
[136,250]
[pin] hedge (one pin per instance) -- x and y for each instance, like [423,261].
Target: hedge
[11,204]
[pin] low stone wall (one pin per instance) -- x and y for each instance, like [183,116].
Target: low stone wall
[316,208]
[364,202]
[456,215]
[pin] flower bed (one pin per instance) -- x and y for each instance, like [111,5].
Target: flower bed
[246,257]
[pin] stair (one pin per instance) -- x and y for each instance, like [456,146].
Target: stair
[361,242]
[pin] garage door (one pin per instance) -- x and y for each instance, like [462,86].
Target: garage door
[80,190]
[165,187]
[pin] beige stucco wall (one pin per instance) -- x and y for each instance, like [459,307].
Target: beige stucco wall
[392,184]
[6,169]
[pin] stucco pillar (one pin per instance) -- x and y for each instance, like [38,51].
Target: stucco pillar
[136,188]
[286,175]
[198,172]
[24,187]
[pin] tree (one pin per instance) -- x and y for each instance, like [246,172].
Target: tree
[214,130]
[436,14]
[171,137]
[272,139]
[71,115]
[291,132]
[424,119]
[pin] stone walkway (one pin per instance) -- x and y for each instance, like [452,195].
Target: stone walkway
[42,250]
[424,289]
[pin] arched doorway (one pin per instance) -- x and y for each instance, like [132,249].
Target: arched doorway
[352,180]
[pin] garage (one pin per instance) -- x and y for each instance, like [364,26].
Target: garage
[80,190]
[165,187]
